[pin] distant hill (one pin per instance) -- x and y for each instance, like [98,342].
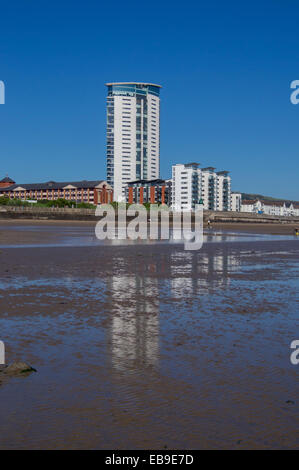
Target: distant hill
[264,198]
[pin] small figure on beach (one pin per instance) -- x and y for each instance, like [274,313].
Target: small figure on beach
[209,224]
[296,232]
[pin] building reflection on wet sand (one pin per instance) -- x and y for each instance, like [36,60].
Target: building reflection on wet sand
[134,300]
[134,330]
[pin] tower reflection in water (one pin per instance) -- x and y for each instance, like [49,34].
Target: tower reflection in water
[135,321]
[135,299]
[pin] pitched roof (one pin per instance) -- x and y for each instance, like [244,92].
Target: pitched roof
[248,202]
[273,203]
[7,180]
[54,185]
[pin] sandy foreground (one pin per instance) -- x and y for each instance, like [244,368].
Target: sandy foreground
[148,346]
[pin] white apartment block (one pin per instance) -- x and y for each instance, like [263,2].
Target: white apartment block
[208,188]
[186,186]
[133,134]
[236,201]
[223,191]
[192,185]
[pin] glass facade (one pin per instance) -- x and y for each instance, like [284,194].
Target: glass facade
[141,137]
[110,141]
[133,89]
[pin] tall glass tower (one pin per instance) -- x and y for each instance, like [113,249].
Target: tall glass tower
[133,134]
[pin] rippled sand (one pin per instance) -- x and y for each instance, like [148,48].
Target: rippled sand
[148,346]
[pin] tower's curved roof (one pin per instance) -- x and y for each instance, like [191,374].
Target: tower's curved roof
[133,83]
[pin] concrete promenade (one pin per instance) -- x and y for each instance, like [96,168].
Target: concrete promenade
[53,213]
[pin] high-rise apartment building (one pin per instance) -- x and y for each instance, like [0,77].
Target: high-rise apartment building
[133,134]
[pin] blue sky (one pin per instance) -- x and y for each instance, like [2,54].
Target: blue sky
[225,68]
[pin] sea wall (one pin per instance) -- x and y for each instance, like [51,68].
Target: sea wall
[247,217]
[46,213]
[54,213]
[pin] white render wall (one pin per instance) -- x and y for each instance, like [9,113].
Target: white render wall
[254,206]
[236,201]
[295,210]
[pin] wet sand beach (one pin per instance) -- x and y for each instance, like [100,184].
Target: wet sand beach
[41,232]
[148,346]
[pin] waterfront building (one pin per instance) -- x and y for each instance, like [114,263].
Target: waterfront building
[133,134]
[193,185]
[236,201]
[296,209]
[93,192]
[254,206]
[223,191]
[186,186]
[276,208]
[209,185]
[5,182]
[155,191]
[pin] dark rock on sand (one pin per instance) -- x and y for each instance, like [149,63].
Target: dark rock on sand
[15,368]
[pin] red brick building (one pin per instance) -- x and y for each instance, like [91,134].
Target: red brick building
[6,182]
[149,191]
[92,192]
